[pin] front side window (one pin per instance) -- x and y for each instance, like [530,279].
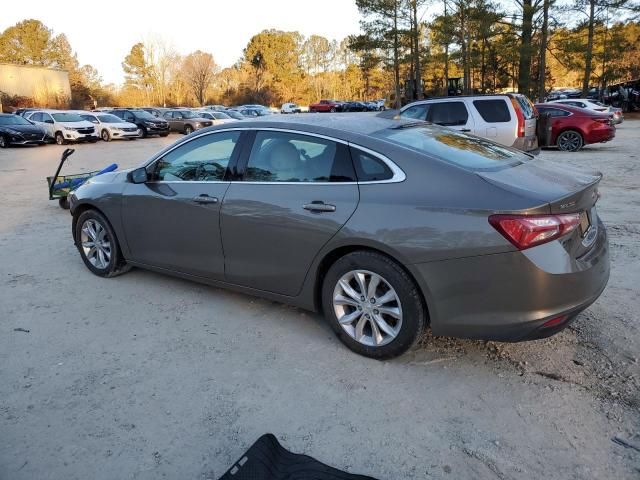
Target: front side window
[46,118]
[203,159]
[448,114]
[37,117]
[417,112]
[290,157]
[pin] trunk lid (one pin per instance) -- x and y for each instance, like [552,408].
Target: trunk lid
[559,190]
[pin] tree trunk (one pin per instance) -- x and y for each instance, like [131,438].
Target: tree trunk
[589,52]
[446,55]
[416,49]
[396,55]
[542,62]
[524,68]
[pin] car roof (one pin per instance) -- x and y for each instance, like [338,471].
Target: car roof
[568,108]
[340,125]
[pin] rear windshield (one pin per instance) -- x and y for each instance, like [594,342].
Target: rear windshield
[526,105]
[464,150]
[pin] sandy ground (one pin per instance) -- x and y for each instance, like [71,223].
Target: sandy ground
[146,377]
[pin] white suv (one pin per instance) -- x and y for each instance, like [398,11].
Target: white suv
[509,119]
[64,127]
[110,127]
[290,108]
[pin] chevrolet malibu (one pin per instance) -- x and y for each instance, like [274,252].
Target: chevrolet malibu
[386,226]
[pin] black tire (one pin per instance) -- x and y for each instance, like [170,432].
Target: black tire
[59,138]
[333,110]
[164,134]
[188,129]
[95,140]
[105,135]
[64,203]
[414,316]
[117,264]
[143,132]
[4,142]
[570,141]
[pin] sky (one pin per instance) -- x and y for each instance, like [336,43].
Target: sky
[102,33]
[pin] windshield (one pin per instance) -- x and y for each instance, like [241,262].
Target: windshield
[13,120]
[220,115]
[454,147]
[236,115]
[143,115]
[109,119]
[67,117]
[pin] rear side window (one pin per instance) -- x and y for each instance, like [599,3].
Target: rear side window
[448,113]
[527,107]
[555,112]
[493,111]
[290,157]
[369,168]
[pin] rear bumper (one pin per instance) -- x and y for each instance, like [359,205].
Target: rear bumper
[601,135]
[510,296]
[527,144]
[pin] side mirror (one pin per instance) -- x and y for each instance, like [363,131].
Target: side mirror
[139,175]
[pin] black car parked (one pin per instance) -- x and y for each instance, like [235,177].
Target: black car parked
[354,107]
[15,130]
[146,122]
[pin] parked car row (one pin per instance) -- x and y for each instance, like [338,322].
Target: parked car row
[333,106]
[32,126]
[512,120]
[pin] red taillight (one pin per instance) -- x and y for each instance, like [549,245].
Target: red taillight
[554,322]
[519,115]
[526,231]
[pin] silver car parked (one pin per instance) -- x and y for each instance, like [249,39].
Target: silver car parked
[387,226]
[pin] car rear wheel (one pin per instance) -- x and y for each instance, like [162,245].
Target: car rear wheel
[570,141]
[4,143]
[333,109]
[373,305]
[188,129]
[98,245]
[105,135]
[60,139]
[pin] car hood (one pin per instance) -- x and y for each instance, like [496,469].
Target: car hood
[83,124]
[559,188]
[121,125]
[22,128]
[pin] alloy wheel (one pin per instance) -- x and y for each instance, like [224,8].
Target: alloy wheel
[3,142]
[95,242]
[367,308]
[569,141]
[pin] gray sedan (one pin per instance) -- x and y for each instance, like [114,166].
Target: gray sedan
[387,226]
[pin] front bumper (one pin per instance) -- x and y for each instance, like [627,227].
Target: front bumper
[74,136]
[115,134]
[15,140]
[510,296]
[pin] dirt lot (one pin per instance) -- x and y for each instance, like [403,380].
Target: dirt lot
[147,377]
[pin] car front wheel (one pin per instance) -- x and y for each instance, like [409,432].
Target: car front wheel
[105,136]
[373,305]
[60,140]
[570,141]
[188,129]
[4,143]
[98,245]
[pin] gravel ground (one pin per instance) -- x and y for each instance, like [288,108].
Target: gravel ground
[146,376]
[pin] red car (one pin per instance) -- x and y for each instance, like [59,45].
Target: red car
[573,127]
[325,106]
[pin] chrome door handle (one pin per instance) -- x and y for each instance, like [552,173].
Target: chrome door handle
[318,206]
[205,199]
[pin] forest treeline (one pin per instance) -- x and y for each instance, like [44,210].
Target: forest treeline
[406,49]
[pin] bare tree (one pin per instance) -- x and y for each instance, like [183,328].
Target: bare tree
[199,70]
